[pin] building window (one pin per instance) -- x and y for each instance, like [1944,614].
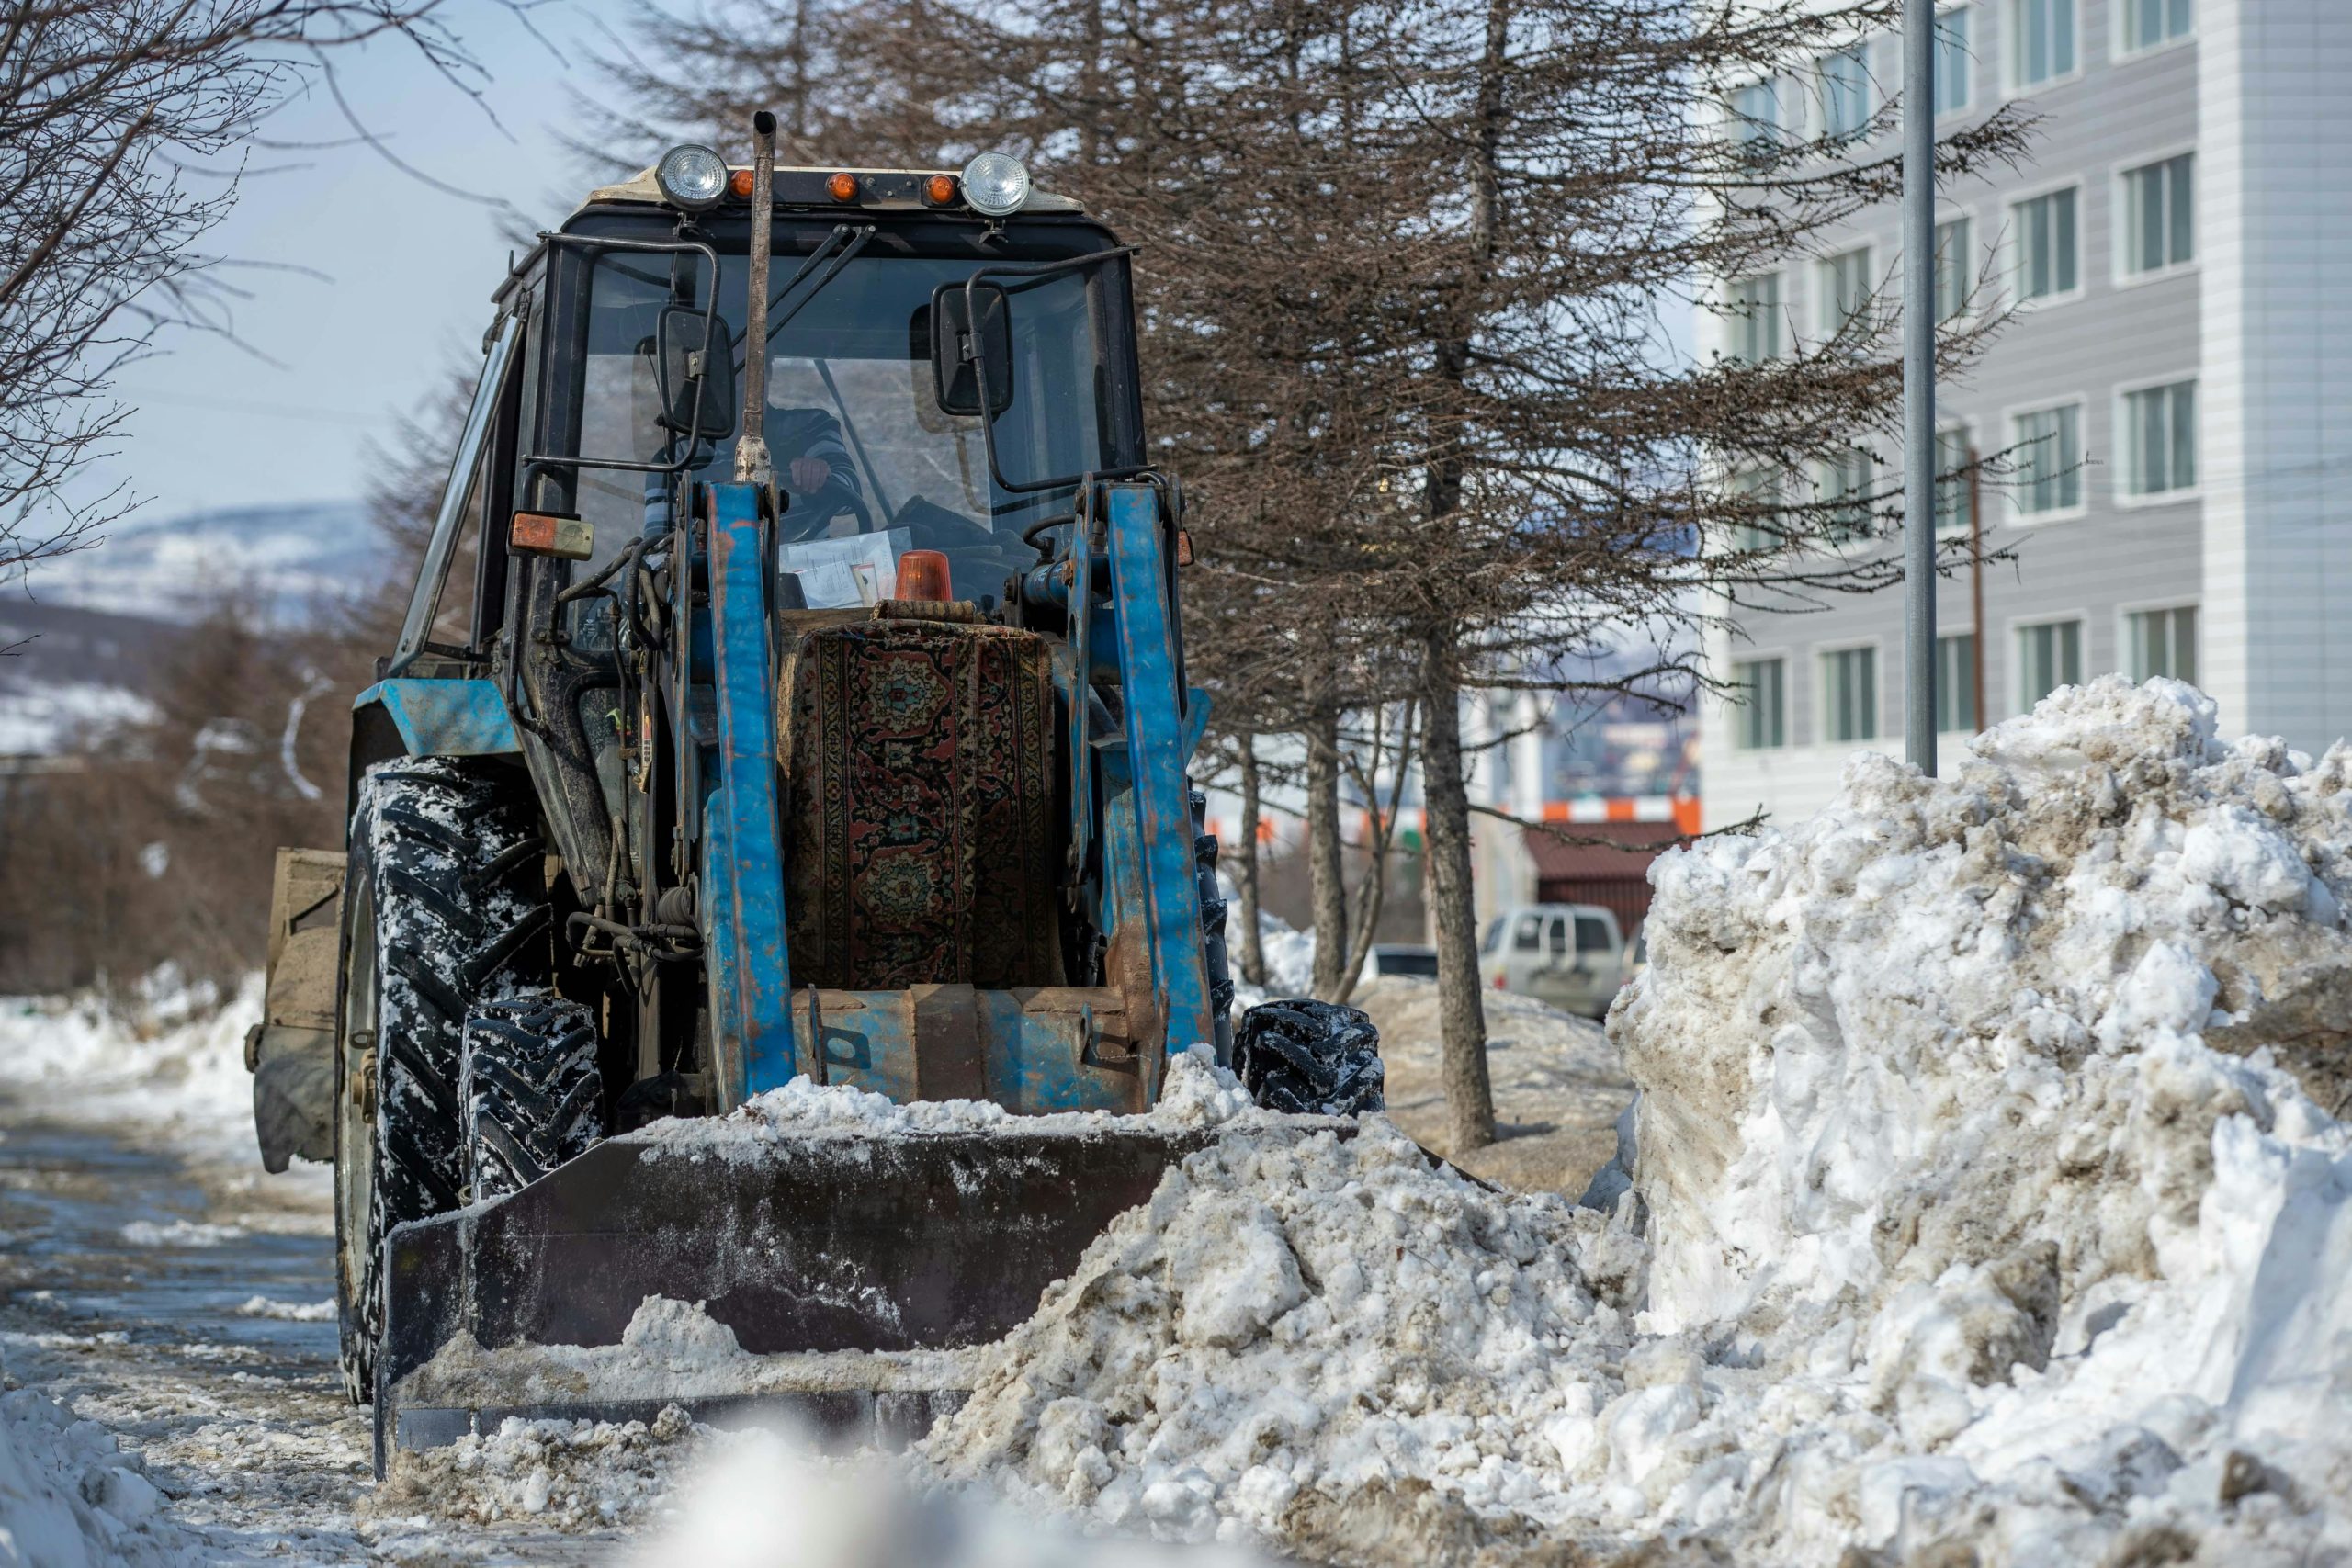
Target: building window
[1954,513]
[2162,642]
[2044,236]
[1845,92]
[2041,40]
[2159,215]
[2049,656]
[1849,694]
[1952,62]
[2050,458]
[1756,120]
[1762,686]
[1955,266]
[1845,282]
[2148,23]
[1956,684]
[1756,318]
[1756,495]
[1845,488]
[2160,439]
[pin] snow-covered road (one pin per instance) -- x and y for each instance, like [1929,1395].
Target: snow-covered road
[155,1282]
[182,1305]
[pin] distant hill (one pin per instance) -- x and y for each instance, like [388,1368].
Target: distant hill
[166,567]
[84,631]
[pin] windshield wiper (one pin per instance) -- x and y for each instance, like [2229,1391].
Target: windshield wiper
[837,248]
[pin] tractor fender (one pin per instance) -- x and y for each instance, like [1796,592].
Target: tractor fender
[427,718]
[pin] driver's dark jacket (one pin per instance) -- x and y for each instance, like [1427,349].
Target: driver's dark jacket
[811,433]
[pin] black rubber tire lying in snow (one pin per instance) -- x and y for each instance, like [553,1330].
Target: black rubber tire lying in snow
[1317,1058]
[445,904]
[530,1090]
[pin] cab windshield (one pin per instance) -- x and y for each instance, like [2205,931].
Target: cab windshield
[870,462]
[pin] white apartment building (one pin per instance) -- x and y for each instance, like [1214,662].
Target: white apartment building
[2176,383]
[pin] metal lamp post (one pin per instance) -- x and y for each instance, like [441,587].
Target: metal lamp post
[1919,383]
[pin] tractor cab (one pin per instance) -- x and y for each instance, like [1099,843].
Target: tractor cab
[873,416]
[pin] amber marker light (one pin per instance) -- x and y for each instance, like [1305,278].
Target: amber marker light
[842,187]
[922,574]
[739,184]
[940,190]
[551,534]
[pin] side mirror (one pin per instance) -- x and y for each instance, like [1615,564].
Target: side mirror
[959,354]
[698,381]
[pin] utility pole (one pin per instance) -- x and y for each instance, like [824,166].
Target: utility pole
[1976,586]
[1919,382]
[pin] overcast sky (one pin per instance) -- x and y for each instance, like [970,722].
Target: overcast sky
[409,268]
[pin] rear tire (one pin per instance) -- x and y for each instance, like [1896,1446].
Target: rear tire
[1309,1057]
[444,906]
[530,1090]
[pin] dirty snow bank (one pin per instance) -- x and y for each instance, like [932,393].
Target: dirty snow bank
[569,1475]
[1963,1241]
[1981,1237]
[68,1497]
[1286,1331]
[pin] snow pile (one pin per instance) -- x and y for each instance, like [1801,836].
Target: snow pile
[670,1349]
[567,1474]
[1196,1095]
[1289,955]
[68,1497]
[1984,1223]
[1292,1330]
[176,1064]
[1987,1242]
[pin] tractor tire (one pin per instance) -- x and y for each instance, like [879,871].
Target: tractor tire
[533,1098]
[1212,911]
[445,908]
[1310,1058]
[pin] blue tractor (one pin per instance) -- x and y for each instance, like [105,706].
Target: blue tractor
[794,687]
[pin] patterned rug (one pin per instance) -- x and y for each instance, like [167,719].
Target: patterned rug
[919,760]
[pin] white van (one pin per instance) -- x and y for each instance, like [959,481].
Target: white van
[1571,955]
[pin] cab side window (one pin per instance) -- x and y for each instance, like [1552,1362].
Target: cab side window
[1592,934]
[1529,934]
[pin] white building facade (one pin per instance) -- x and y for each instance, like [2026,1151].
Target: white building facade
[2175,388]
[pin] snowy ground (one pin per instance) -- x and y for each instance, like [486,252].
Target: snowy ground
[1558,1084]
[156,1284]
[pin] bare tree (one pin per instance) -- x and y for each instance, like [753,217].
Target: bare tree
[122,126]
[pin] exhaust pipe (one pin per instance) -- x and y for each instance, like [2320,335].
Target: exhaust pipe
[753,463]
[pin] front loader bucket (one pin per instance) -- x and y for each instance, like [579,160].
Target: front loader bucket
[903,1242]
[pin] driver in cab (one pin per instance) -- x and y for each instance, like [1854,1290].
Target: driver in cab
[814,465]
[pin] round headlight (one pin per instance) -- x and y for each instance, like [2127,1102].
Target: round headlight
[996,184]
[692,177]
